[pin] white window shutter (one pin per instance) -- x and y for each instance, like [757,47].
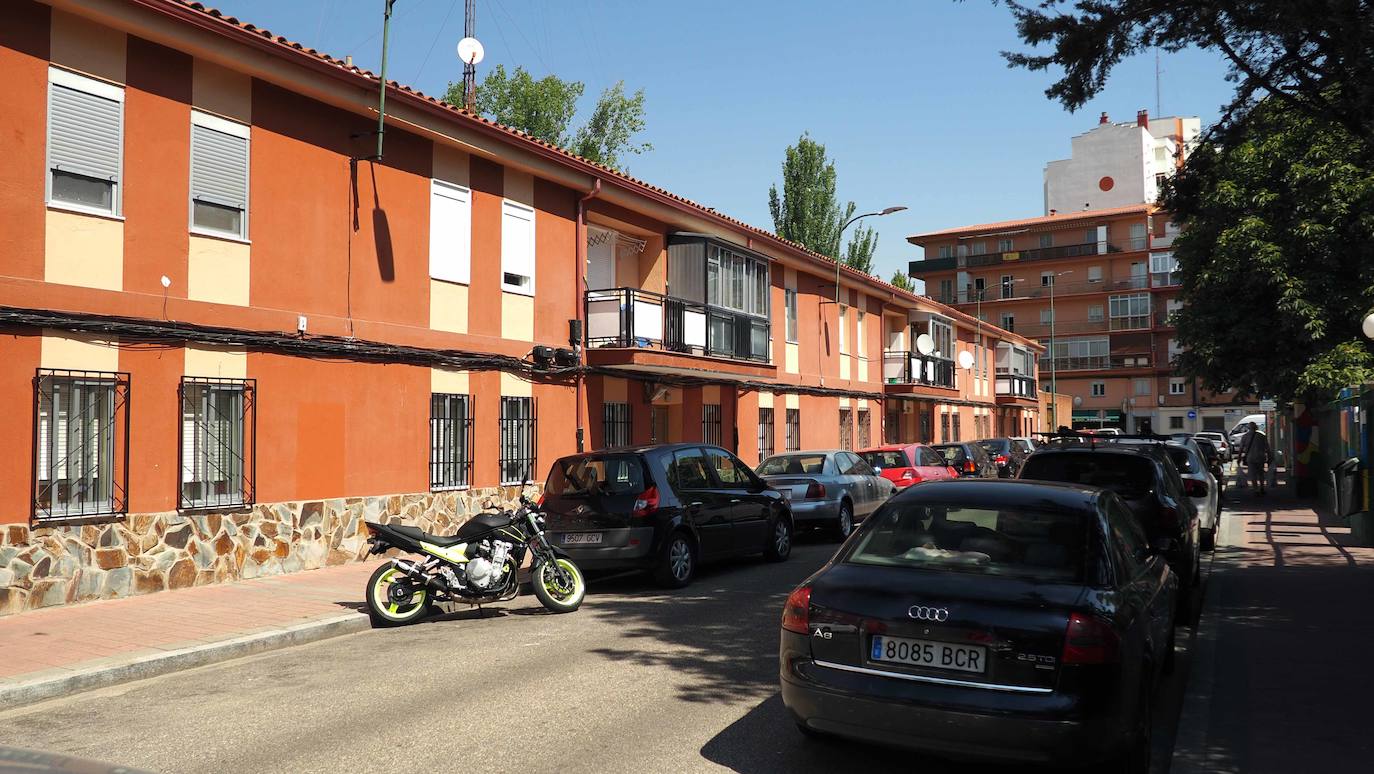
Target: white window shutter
[450,233]
[84,129]
[517,246]
[219,167]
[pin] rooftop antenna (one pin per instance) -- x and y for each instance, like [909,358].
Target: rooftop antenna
[471,53]
[1158,110]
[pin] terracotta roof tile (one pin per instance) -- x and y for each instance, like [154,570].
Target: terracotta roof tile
[1063,217]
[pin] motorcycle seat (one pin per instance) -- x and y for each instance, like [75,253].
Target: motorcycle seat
[415,533]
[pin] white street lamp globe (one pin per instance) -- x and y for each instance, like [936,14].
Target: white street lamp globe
[1367,324]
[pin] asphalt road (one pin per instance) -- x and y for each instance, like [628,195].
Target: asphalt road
[638,680]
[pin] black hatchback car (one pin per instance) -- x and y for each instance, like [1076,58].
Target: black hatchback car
[969,460]
[992,619]
[664,508]
[1144,476]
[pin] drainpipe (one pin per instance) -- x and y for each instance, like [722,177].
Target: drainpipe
[579,300]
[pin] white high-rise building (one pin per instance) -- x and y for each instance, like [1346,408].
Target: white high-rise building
[1119,165]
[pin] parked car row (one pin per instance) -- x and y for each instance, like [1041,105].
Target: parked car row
[1027,620]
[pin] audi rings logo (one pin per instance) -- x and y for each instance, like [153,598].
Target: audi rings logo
[923,613]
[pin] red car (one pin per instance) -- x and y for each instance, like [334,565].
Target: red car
[905,464]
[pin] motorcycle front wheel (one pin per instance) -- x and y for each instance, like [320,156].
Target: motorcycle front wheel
[559,585]
[393,600]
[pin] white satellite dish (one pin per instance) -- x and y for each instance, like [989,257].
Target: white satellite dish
[965,360]
[470,51]
[925,344]
[1078,400]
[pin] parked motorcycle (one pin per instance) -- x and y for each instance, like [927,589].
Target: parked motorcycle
[479,565]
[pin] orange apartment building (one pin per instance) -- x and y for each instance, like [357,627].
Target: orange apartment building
[1101,284]
[228,333]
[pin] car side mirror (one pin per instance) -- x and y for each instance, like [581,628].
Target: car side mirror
[1162,545]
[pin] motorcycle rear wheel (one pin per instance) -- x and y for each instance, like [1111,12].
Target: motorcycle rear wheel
[559,585]
[386,610]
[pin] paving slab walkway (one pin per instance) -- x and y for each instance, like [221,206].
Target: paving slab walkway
[57,651]
[1282,679]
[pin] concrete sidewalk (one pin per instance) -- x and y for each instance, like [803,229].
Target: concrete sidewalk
[57,651]
[1281,680]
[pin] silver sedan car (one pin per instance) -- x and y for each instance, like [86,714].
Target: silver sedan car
[827,488]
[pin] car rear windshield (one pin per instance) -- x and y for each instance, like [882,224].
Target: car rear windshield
[1042,543]
[996,445]
[793,464]
[1128,475]
[882,460]
[1183,460]
[608,474]
[954,455]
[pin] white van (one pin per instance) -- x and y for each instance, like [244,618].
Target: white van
[1237,433]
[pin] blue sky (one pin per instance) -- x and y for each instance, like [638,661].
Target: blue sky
[911,99]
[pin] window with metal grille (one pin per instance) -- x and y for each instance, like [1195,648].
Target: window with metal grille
[81,454]
[793,430]
[710,423]
[926,432]
[218,441]
[450,440]
[765,433]
[658,424]
[519,431]
[846,429]
[615,418]
[954,424]
[944,428]
[865,438]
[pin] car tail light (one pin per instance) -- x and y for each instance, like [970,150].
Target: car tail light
[796,613]
[647,502]
[1000,459]
[815,491]
[969,467]
[1090,641]
[909,475]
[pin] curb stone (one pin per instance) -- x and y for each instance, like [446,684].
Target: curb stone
[18,694]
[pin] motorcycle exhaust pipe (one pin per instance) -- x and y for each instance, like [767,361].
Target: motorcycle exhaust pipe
[416,572]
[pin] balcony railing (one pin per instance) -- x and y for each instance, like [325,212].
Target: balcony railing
[1061,328]
[1021,290]
[1093,363]
[904,367]
[628,317]
[1016,386]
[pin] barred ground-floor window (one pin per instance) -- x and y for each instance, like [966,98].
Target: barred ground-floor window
[450,441]
[846,429]
[710,423]
[81,425]
[218,442]
[517,440]
[615,419]
[793,430]
[865,437]
[766,436]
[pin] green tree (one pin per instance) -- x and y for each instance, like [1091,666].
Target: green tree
[1277,213]
[1316,57]
[610,131]
[807,211]
[544,109]
[901,280]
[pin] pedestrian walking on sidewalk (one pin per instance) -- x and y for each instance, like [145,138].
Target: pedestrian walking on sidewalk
[1254,454]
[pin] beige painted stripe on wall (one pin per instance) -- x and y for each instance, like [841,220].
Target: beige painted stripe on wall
[792,401]
[616,391]
[85,46]
[445,380]
[222,91]
[216,362]
[74,352]
[765,400]
[513,386]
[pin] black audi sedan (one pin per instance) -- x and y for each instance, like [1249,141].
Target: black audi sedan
[996,619]
[665,508]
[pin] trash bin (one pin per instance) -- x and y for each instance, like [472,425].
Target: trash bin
[1346,486]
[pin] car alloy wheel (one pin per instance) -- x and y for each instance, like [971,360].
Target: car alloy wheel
[845,523]
[680,560]
[782,538]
